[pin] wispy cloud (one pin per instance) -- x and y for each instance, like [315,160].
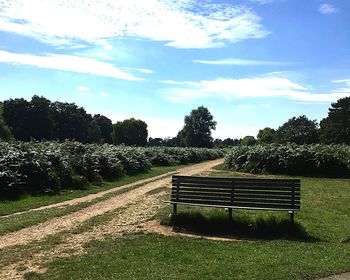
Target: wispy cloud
[327,9]
[243,62]
[266,86]
[82,88]
[263,2]
[180,24]
[68,63]
[104,94]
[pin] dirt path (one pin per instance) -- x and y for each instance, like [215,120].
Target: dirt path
[73,220]
[91,197]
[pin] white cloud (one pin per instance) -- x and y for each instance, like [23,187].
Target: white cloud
[242,62]
[181,23]
[266,86]
[68,63]
[82,88]
[104,94]
[327,9]
[263,2]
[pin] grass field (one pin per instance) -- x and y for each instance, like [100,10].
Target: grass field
[267,246]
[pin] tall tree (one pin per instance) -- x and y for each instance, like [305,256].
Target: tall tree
[5,131]
[106,128]
[266,135]
[39,118]
[197,129]
[248,140]
[16,116]
[130,132]
[298,130]
[71,122]
[155,142]
[336,127]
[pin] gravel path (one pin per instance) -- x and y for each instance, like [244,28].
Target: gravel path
[73,220]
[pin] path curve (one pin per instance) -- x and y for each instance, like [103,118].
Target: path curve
[73,220]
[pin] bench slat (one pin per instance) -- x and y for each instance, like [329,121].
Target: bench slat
[237,197]
[242,204]
[237,179]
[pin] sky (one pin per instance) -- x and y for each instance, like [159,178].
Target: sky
[252,63]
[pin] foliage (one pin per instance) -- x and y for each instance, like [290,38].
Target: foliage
[298,130]
[41,119]
[248,140]
[48,167]
[266,135]
[197,129]
[308,160]
[5,131]
[106,128]
[130,132]
[336,127]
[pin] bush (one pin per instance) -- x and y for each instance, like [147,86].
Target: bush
[305,160]
[49,167]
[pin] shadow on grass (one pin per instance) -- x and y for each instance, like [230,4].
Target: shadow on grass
[239,228]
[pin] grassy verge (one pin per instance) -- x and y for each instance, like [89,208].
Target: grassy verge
[318,245]
[157,257]
[31,202]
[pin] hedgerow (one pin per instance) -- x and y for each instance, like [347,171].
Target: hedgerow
[49,167]
[304,160]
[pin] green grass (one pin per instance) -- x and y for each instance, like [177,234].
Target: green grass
[30,202]
[156,257]
[269,247]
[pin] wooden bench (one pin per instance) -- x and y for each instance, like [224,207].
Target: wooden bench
[236,193]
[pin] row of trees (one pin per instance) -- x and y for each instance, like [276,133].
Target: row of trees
[42,119]
[334,129]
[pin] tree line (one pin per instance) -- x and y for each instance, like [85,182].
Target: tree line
[41,119]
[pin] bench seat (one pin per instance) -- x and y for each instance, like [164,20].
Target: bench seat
[236,193]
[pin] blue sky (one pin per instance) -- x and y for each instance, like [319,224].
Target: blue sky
[253,63]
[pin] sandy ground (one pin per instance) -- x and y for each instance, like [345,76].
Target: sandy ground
[133,209]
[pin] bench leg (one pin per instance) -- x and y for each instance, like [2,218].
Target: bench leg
[230,213]
[291,217]
[174,208]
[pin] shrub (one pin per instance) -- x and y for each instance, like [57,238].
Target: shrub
[305,160]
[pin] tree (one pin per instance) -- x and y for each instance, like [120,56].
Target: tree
[130,132]
[71,122]
[228,142]
[266,135]
[248,140]
[5,131]
[29,119]
[16,116]
[155,142]
[335,128]
[298,130]
[39,118]
[197,129]
[94,132]
[106,128]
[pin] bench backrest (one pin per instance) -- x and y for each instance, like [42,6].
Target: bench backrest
[249,193]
